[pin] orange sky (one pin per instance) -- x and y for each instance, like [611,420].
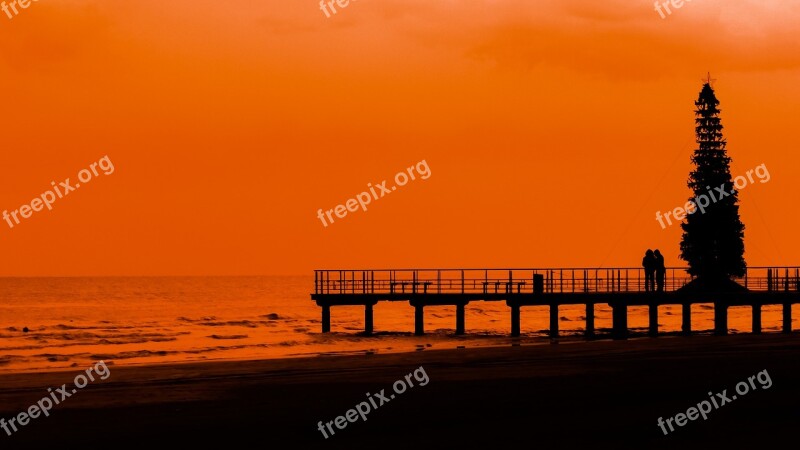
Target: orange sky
[553,131]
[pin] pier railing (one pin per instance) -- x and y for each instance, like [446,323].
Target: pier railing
[538,281]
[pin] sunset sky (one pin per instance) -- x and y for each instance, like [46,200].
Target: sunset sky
[553,130]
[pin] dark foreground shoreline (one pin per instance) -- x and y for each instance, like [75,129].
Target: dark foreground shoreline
[606,394]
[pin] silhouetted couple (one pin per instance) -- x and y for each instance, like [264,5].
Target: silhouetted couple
[655,272]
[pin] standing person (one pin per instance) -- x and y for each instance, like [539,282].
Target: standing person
[661,270]
[649,264]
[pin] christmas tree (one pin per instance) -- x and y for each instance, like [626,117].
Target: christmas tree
[713,235]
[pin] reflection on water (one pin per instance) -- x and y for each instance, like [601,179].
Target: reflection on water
[72,321]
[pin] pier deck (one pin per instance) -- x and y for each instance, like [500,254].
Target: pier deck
[616,287]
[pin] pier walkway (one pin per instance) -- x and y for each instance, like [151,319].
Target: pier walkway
[616,287]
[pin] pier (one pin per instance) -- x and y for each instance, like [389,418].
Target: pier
[618,288]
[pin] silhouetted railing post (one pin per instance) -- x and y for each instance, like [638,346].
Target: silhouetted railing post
[548,281]
[596,281]
[573,279]
[786,282]
[797,280]
[585,280]
[769,279]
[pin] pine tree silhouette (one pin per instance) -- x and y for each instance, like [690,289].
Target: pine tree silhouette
[712,242]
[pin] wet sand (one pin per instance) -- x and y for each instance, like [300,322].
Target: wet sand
[603,393]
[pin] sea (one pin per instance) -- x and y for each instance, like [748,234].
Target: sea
[49,324]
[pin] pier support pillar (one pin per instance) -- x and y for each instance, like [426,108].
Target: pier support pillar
[686,316]
[757,319]
[554,321]
[419,320]
[589,319]
[787,317]
[460,318]
[619,317]
[368,324]
[653,331]
[720,319]
[515,320]
[326,318]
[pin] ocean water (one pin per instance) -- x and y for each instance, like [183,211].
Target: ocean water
[72,322]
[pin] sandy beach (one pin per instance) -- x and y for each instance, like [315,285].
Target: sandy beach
[602,393]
